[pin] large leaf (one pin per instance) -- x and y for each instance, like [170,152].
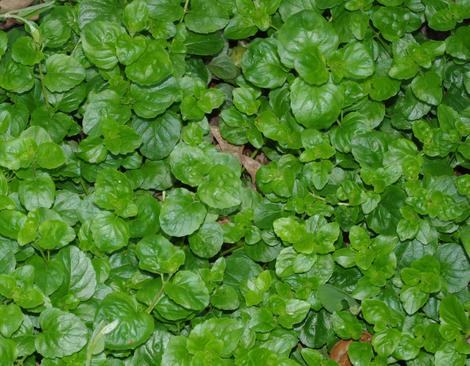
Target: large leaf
[134,326]
[63,334]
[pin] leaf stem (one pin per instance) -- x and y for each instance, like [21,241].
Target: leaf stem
[384,45]
[231,249]
[43,255]
[83,184]
[185,10]
[158,295]
[323,199]
[102,330]
[43,88]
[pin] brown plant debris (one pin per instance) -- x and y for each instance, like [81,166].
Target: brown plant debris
[339,352]
[9,5]
[251,165]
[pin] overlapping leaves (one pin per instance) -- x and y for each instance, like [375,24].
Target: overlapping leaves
[128,238]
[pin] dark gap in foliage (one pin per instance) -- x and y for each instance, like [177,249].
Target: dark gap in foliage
[461,170]
[326,14]
[434,34]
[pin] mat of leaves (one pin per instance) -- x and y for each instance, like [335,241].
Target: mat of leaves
[235,182]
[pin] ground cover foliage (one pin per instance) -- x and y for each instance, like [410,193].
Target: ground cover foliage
[235,182]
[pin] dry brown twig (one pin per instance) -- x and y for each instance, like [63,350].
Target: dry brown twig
[251,165]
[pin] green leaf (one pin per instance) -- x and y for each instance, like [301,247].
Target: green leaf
[220,335]
[189,164]
[25,51]
[207,16]
[207,241]
[378,313]
[109,232]
[37,192]
[113,191]
[413,299]
[214,182]
[17,153]
[159,136]
[101,106]
[452,312]
[8,351]
[152,67]
[188,290]
[79,276]
[311,66]
[63,73]
[455,268]
[181,214]
[353,61]
[386,341]
[98,40]
[360,353]
[151,101]
[306,26]
[15,77]
[134,325]
[3,43]
[151,352]
[63,334]
[119,139]
[135,16]
[456,44]
[54,234]
[245,100]
[346,325]
[319,114]
[50,155]
[158,255]
[147,220]
[11,222]
[261,65]
[176,352]
[407,349]
[221,189]
[448,355]
[204,44]
[11,319]
[427,87]
[225,298]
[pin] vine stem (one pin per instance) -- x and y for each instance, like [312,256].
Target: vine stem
[185,10]
[97,335]
[231,249]
[43,88]
[323,199]
[158,295]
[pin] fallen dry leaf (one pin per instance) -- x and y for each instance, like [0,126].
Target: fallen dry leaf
[339,352]
[251,165]
[8,5]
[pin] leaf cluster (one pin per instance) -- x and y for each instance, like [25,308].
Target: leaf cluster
[133,231]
